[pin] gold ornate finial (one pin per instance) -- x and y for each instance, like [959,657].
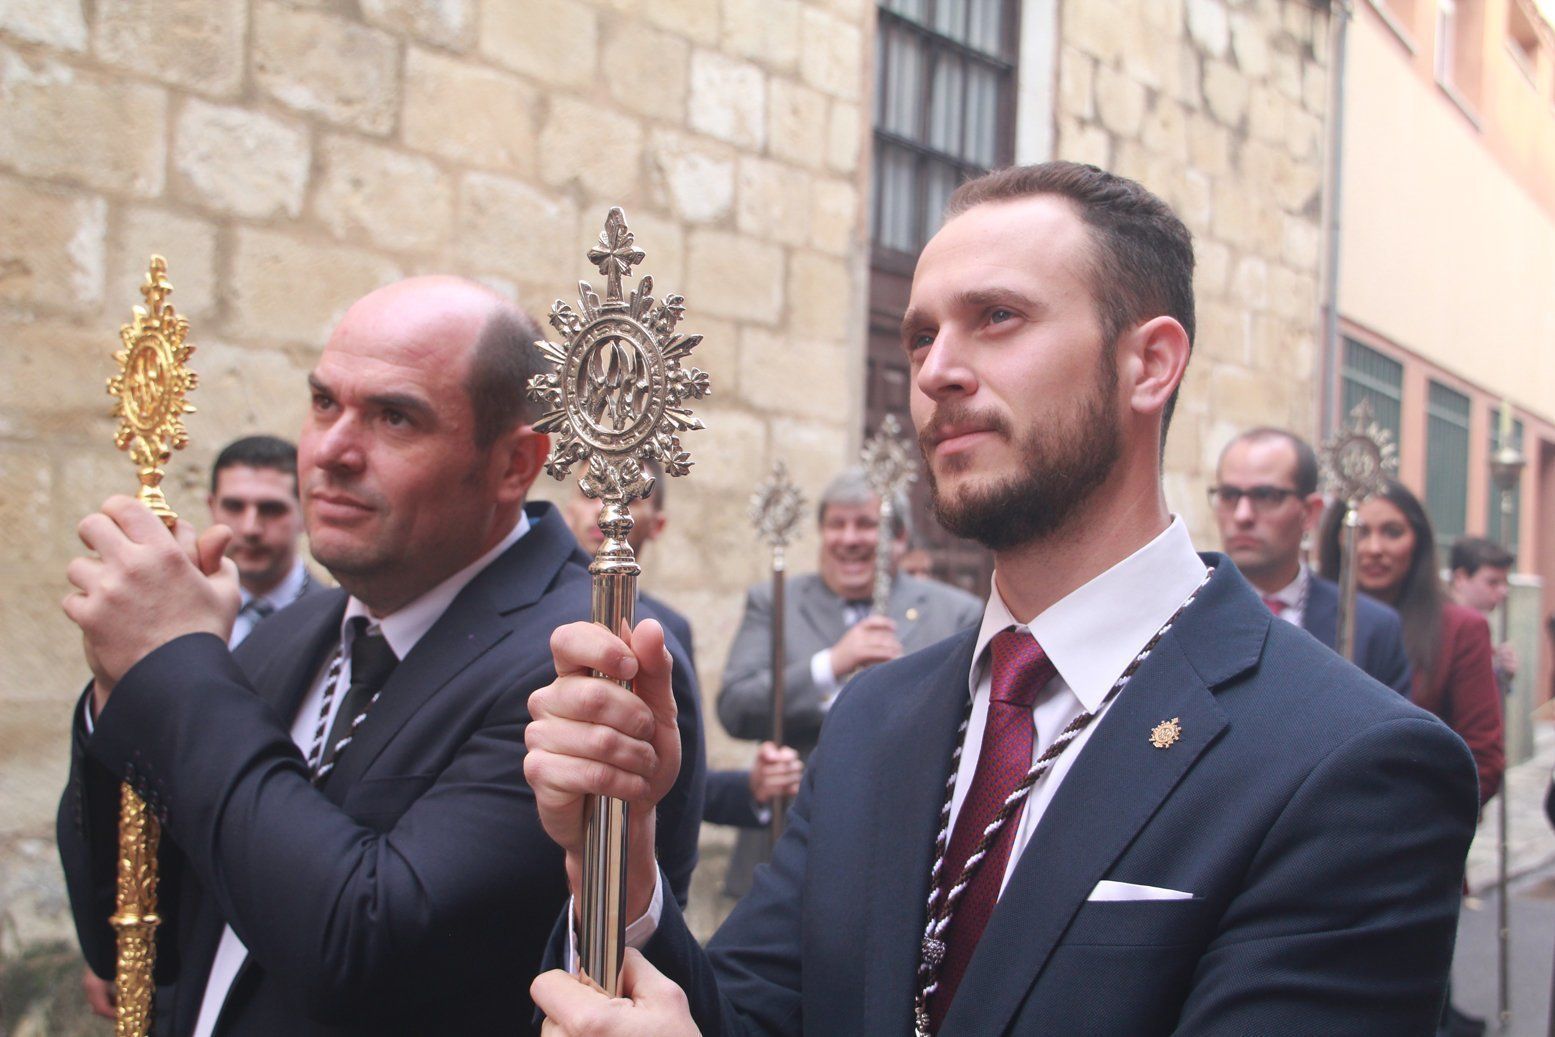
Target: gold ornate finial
[889,469]
[152,382]
[617,386]
[775,507]
[1359,457]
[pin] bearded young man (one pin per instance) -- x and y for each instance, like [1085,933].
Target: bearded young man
[1131,802]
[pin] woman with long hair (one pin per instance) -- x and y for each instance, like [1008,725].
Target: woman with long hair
[1448,645]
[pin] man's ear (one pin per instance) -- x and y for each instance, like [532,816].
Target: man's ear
[1151,361]
[523,452]
[1312,512]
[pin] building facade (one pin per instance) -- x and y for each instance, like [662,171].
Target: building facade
[1446,287]
[781,162]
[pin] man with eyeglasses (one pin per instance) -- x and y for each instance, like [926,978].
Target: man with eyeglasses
[1266,503]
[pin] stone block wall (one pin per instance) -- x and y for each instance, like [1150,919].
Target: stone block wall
[287,157]
[1219,107]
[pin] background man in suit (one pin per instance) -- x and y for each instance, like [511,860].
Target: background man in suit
[350,844]
[1481,580]
[829,634]
[1266,503]
[254,494]
[1204,854]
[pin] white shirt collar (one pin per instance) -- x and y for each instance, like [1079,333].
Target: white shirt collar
[1094,631]
[283,593]
[1293,592]
[406,625]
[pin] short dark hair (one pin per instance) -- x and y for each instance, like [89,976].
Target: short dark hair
[1471,554]
[498,383]
[1142,265]
[1305,475]
[270,452]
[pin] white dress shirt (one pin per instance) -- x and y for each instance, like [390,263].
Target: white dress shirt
[1294,596]
[402,629]
[1091,635]
[279,596]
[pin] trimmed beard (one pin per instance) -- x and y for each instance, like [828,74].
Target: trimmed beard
[1062,466]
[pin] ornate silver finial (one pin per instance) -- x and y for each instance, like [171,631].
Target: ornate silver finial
[775,507]
[617,386]
[1359,457]
[889,469]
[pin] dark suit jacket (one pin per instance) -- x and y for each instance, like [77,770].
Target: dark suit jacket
[1379,637]
[413,892]
[925,611]
[1462,689]
[1319,820]
[729,800]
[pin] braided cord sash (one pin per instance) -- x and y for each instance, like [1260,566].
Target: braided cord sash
[941,909]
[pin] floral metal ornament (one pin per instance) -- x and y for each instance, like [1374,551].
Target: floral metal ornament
[151,386]
[1359,457]
[618,384]
[889,469]
[775,508]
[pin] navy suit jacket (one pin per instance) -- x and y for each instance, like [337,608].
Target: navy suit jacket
[413,892]
[1319,820]
[1379,636]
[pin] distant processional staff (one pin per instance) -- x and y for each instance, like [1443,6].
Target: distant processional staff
[829,634]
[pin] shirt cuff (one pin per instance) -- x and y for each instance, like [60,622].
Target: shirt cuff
[637,934]
[822,677]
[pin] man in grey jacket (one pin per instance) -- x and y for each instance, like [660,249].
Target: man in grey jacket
[829,634]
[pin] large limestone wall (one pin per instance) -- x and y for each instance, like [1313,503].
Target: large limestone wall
[1218,106]
[288,157]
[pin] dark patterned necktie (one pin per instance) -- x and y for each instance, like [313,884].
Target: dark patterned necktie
[372,661]
[1020,670]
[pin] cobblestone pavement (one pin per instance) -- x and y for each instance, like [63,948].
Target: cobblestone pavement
[1530,840]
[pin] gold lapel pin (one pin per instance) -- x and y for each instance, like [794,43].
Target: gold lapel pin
[1166,733]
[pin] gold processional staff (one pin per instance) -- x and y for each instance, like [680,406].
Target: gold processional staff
[888,466]
[150,387]
[1356,459]
[615,397]
[774,509]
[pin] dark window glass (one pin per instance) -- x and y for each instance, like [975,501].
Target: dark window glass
[1447,464]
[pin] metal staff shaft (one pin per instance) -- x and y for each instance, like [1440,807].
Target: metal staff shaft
[779,565]
[151,385]
[1503,913]
[602,941]
[884,541]
[1344,632]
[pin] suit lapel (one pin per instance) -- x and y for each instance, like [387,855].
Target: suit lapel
[467,629]
[1322,613]
[909,770]
[282,679]
[821,611]
[1113,789]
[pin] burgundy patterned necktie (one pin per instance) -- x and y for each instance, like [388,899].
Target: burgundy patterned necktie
[1020,670]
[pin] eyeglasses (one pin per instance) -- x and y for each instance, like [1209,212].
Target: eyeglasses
[1262,498]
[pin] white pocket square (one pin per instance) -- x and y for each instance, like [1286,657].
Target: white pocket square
[1109,890]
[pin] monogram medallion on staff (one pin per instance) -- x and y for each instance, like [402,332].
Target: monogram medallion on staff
[1357,460]
[615,398]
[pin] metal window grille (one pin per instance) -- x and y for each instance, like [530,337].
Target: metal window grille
[1447,464]
[944,100]
[1368,374]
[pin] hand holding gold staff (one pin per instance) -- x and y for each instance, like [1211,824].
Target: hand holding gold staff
[150,387]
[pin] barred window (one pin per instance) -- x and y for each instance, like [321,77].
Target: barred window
[1370,375]
[1447,463]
